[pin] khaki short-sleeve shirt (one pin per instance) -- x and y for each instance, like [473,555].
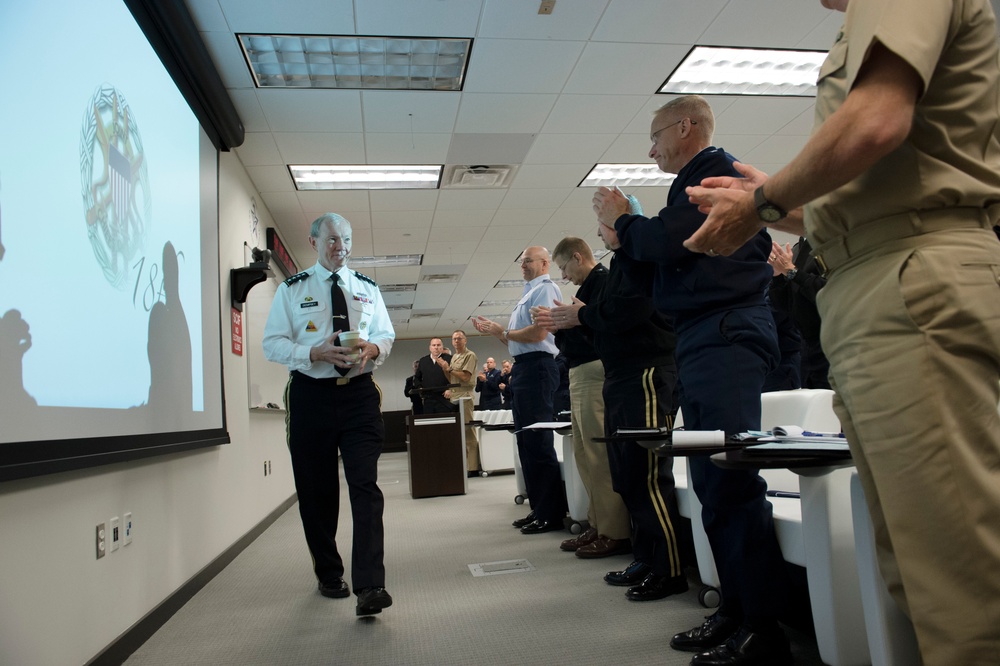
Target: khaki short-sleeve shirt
[952,155]
[465,361]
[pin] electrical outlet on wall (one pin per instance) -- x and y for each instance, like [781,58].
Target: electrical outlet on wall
[127,527]
[102,533]
[116,539]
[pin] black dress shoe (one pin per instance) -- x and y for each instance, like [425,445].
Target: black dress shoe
[521,522]
[748,648]
[540,526]
[655,586]
[633,574]
[336,589]
[372,600]
[715,630]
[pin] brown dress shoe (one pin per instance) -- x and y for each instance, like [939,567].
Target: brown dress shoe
[604,546]
[575,543]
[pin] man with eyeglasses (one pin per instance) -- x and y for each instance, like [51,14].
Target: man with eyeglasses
[334,405]
[898,189]
[609,531]
[535,380]
[726,345]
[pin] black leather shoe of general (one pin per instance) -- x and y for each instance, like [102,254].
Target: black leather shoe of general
[748,648]
[654,586]
[633,574]
[521,522]
[540,526]
[714,631]
[336,589]
[372,600]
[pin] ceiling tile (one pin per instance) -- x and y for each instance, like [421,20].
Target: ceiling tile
[438,18]
[520,19]
[301,110]
[568,148]
[271,179]
[656,21]
[259,149]
[308,16]
[406,148]
[503,113]
[320,147]
[409,111]
[521,66]
[610,68]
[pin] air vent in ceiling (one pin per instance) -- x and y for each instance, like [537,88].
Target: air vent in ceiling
[478,176]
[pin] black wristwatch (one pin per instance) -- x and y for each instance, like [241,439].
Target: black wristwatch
[790,275]
[767,211]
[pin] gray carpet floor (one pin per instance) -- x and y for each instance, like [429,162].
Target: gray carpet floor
[264,607]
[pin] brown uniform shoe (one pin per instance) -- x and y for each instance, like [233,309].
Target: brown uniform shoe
[575,543]
[604,546]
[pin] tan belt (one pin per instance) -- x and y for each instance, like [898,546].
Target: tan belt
[836,252]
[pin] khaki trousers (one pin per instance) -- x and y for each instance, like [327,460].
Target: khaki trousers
[607,513]
[471,441]
[912,331]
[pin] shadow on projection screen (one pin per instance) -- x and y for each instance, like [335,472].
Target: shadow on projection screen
[109,277]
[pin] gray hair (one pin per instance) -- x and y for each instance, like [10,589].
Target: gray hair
[333,219]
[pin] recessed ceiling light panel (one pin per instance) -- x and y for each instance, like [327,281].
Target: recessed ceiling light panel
[365,176]
[356,62]
[631,175]
[713,70]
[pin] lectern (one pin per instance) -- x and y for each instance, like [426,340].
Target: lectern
[436,448]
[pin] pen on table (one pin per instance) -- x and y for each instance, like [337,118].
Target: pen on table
[782,493]
[807,433]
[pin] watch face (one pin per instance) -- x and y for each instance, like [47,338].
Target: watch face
[769,213]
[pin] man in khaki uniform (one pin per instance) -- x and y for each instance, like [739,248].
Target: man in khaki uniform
[462,371]
[901,186]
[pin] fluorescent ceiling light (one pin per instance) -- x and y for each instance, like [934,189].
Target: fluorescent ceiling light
[387,260]
[365,177]
[509,284]
[630,175]
[390,288]
[398,308]
[498,302]
[354,62]
[713,70]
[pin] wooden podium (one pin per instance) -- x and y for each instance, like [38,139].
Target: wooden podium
[436,455]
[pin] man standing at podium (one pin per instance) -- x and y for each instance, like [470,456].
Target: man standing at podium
[333,404]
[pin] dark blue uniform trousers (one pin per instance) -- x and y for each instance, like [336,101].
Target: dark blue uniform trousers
[535,379]
[722,360]
[643,398]
[323,418]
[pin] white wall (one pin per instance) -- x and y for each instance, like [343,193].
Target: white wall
[60,605]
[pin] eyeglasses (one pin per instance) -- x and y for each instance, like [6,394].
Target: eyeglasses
[655,135]
[563,267]
[528,261]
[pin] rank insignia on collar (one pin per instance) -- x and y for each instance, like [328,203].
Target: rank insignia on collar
[311,327]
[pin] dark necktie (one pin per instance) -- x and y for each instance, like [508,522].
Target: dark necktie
[341,320]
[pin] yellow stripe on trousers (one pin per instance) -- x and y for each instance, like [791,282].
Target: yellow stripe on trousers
[652,480]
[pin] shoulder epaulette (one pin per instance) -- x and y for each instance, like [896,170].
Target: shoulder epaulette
[298,277]
[362,276]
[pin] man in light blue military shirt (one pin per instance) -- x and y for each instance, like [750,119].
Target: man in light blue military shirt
[333,405]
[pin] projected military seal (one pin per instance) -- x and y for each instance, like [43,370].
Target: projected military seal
[116,191]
